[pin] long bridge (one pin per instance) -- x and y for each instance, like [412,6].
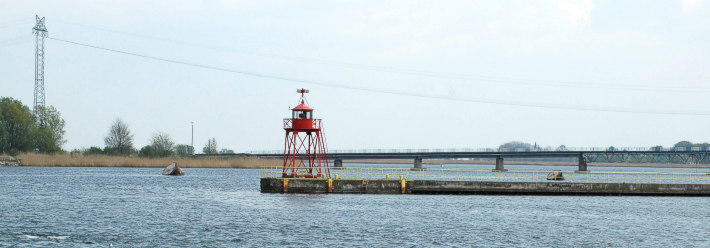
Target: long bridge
[583,155]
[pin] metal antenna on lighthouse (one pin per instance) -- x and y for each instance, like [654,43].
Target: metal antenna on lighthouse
[40,32]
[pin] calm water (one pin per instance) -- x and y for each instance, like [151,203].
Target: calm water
[131,207]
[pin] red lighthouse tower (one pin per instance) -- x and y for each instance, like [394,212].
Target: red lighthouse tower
[305,147]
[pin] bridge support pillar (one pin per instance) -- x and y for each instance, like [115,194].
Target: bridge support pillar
[582,164]
[417,163]
[338,162]
[499,165]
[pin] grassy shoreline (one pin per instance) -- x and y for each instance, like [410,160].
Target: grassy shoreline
[67,160]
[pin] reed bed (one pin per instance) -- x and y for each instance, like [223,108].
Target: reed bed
[77,160]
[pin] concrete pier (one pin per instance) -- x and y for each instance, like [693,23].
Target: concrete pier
[364,186]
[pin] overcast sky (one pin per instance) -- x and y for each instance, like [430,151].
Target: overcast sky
[382,74]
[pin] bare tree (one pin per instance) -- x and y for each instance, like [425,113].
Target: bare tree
[210,147]
[119,137]
[162,144]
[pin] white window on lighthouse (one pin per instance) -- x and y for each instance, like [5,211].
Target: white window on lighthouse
[302,114]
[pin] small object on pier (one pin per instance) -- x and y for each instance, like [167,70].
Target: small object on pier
[556,175]
[173,170]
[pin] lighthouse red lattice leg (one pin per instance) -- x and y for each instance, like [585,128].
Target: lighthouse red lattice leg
[304,155]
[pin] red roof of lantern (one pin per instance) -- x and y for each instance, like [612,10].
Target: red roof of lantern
[302,107]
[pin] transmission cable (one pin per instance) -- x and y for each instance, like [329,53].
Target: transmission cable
[396,92]
[409,71]
[16,40]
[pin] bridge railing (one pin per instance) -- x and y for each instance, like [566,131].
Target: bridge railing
[545,149]
[509,176]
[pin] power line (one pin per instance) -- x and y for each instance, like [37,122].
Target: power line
[14,23]
[16,40]
[409,71]
[395,92]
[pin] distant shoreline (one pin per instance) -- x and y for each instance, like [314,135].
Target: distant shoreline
[66,160]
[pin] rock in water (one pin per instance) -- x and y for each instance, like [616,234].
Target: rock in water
[9,161]
[173,170]
[555,175]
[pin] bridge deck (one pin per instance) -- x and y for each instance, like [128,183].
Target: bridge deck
[532,154]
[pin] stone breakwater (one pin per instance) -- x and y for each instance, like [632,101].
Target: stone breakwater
[9,161]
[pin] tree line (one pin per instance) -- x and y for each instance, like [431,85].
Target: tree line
[22,130]
[42,130]
[643,158]
[119,142]
[513,145]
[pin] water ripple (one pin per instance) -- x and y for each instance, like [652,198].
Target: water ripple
[135,207]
